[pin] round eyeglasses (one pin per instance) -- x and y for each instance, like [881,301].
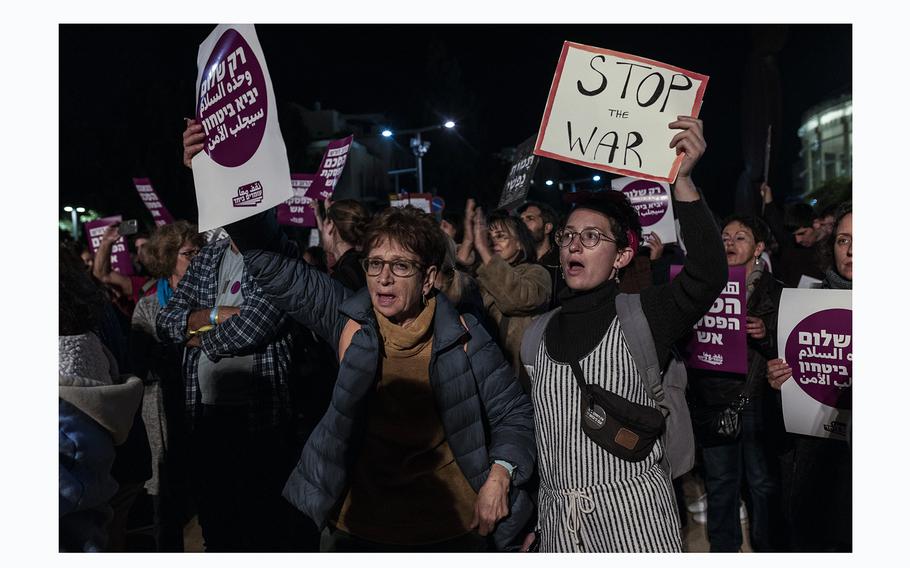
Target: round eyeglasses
[400,268]
[589,238]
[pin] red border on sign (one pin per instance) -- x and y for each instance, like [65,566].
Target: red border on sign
[696,108]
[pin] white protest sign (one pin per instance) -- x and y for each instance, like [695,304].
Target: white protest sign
[243,168]
[815,338]
[422,201]
[609,111]
[654,204]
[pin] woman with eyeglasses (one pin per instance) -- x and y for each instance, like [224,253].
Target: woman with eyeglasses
[514,287]
[741,461]
[817,473]
[167,257]
[590,499]
[428,439]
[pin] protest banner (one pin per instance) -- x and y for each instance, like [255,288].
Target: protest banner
[298,211]
[422,201]
[654,204]
[518,182]
[718,342]
[330,169]
[609,111]
[815,338]
[159,212]
[120,255]
[243,168]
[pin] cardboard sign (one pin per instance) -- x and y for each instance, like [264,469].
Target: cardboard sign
[422,201]
[298,211]
[120,255]
[243,168]
[609,111]
[654,204]
[159,212]
[815,338]
[718,342]
[515,190]
[331,168]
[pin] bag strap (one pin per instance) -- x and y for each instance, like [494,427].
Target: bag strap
[638,337]
[530,341]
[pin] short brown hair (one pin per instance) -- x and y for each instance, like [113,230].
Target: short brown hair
[412,229]
[160,253]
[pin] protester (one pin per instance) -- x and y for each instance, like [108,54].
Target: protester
[428,440]
[513,285]
[591,500]
[461,288]
[824,223]
[729,463]
[796,237]
[817,473]
[96,409]
[452,225]
[236,370]
[541,220]
[167,254]
[315,257]
[126,289]
[342,232]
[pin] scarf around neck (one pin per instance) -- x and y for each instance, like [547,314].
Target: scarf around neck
[835,281]
[406,340]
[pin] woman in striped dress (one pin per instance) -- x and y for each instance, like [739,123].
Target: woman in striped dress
[591,500]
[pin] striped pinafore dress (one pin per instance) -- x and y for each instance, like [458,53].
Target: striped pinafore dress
[590,500]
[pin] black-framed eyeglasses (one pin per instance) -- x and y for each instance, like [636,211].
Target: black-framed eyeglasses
[189,254]
[399,267]
[589,238]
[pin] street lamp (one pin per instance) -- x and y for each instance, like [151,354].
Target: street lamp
[596,178]
[418,146]
[73,211]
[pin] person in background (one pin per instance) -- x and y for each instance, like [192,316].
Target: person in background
[97,406]
[514,287]
[817,473]
[126,289]
[315,257]
[824,223]
[728,464]
[452,225]
[342,231]
[167,256]
[796,238]
[541,221]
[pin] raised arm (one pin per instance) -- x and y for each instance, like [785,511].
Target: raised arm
[101,269]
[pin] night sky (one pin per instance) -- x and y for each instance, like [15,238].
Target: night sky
[124,90]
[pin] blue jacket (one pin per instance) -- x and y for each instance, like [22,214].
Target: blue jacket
[484,412]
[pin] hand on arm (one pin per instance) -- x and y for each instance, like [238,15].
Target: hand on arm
[492,502]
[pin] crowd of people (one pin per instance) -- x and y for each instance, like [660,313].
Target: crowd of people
[418,383]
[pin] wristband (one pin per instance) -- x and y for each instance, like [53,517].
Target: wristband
[202,329]
[213,316]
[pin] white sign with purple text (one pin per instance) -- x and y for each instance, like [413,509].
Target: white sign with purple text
[243,168]
[654,204]
[815,338]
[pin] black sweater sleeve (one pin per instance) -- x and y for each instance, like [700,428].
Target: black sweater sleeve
[672,309]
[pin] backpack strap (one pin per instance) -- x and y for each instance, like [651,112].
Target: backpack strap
[637,334]
[533,336]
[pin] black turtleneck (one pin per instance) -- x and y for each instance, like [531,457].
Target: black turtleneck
[671,309]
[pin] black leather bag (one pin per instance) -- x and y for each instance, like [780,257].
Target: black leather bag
[625,429]
[716,425]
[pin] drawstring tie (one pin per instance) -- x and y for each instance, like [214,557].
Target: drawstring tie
[578,501]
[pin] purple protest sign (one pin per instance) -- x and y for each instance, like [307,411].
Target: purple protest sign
[329,172]
[120,256]
[298,211]
[718,342]
[232,103]
[652,202]
[820,352]
[159,212]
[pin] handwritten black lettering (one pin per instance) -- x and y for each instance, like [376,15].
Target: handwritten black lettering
[674,87]
[657,91]
[628,75]
[572,144]
[603,80]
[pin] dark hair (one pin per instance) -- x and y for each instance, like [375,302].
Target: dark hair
[412,229]
[160,252]
[319,259]
[615,206]
[517,228]
[456,219]
[826,251]
[760,231]
[798,215]
[547,213]
[350,218]
[829,211]
[81,300]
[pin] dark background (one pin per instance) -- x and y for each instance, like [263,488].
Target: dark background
[124,90]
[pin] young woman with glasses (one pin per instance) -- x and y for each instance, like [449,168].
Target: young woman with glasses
[589,499]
